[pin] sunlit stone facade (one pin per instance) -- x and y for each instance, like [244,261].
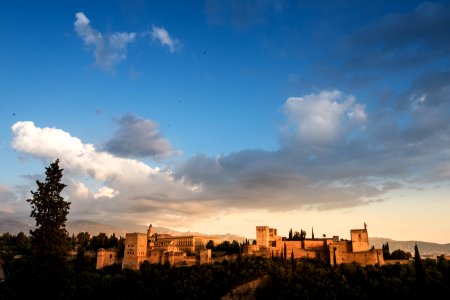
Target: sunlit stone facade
[332,250]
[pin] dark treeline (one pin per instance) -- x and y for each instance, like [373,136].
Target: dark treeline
[311,279]
[225,247]
[20,244]
[288,279]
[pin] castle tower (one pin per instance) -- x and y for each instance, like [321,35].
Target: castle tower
[135,250]
[150,231]
[360,239]
[262,236]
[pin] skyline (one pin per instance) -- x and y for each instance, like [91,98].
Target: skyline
[218,116]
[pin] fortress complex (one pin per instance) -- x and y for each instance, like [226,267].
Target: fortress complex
[333,250]
[191,250]
[159,249]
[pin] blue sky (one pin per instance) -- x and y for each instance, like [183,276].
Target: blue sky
[217,116]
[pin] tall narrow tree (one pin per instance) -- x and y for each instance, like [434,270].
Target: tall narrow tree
[48,208]
[418,266]
[293,260]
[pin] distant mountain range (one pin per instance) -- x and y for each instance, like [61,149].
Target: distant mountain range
[426,249]
[14,227]
[94,228]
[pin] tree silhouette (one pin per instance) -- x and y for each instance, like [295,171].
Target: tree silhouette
[418,266]
[386,252]
[48,208]
[293,260]
[210,245]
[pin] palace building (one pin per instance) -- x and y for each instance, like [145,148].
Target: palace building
[332,250]
[159,249]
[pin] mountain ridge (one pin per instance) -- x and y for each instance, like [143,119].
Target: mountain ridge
[94,228]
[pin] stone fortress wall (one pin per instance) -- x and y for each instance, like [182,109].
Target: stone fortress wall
[190,250]
[332,250]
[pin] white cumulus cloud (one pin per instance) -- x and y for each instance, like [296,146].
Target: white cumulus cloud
[128,189]
[106,192]
[323,117]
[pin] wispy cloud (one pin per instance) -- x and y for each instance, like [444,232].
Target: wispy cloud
[161,35]
[108,52]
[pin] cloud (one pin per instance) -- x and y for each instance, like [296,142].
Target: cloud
[426,105]
[106,192]
[298,174]
[324,117]
[137,137]
[332,155]
[101,185]
[107,52]
[56,143]
[161,35]
[402,40]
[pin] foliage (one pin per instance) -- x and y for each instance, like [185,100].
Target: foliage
[228,248]
[210,245]
[386,252]
[296,236]
[48,208]
[418,267]
[400,254]
[287,279]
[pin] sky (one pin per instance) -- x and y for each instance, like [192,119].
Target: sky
[218,116]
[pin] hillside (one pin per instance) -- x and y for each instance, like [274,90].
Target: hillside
[14,227]
[426,249]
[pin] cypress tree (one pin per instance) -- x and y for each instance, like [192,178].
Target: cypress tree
[48,208]
[49,239]
[418,266]
[293,260]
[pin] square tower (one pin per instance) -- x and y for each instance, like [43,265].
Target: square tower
[135,250]
[262,236]
[360,240]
